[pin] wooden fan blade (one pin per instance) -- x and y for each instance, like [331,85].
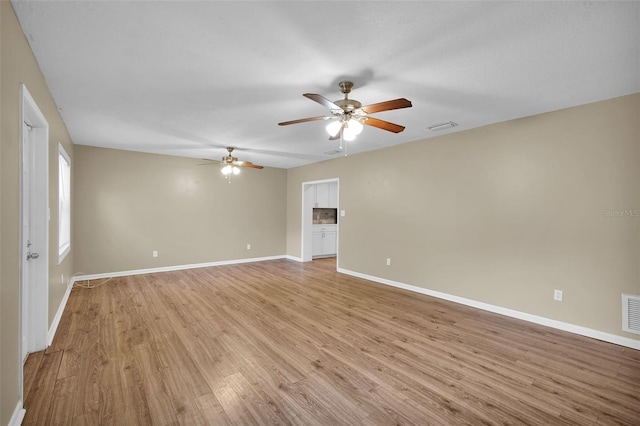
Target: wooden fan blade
[322,100]
[386,106]
[384,125]
[210,162]
[302,120]
[251,165]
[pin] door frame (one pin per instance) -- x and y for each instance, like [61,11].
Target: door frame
[34,185]
[307,219]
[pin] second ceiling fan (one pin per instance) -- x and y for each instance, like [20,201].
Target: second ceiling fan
[231,164]
[348,115]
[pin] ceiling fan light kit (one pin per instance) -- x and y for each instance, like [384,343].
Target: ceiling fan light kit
[350,127]
[227,170]
[348,134]
[348,115]
[333,128]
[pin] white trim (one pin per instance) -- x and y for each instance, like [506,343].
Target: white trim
[58,317]
[18,415]
[313,182]
[34,301]
[294,258]
[34,111]
[572,328]
[65,248]
[306,221]
[173,268]
[305,225]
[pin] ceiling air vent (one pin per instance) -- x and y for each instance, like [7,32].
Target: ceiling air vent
[442,126]
[631,313]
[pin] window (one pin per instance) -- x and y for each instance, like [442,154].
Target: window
[64,203]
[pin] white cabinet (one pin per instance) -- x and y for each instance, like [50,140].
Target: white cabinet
[329,243]
[326,195]
[322,195]
[324,239]
[333,195]
[317,246]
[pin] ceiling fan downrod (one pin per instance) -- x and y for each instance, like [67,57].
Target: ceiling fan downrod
[347,105]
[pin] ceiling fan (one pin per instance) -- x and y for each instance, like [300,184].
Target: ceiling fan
[348,115]
[231,164]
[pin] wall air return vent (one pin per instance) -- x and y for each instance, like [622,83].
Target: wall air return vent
[631,313]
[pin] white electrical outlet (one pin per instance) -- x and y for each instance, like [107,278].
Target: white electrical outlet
[388,261]
[343,213]
[557,295]
[155,253]
[62,278]
[248,246]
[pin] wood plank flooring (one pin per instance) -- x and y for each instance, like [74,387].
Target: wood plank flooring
[281,342]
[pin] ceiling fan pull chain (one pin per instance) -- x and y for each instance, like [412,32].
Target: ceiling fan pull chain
[345,146]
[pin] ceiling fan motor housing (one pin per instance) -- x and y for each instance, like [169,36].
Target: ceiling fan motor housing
[348,105]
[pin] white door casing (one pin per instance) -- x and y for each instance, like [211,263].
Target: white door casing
[34,228]
[308,201]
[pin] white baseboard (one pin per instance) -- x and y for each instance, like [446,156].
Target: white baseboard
[173,268]
[56,319]
[18,415]
[572,328]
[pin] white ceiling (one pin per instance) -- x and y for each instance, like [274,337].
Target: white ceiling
[188,78]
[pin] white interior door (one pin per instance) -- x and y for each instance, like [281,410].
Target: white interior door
[34,228]
[26,242]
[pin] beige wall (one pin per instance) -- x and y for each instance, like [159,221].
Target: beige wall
[19,66]
[502,214]
[128,204]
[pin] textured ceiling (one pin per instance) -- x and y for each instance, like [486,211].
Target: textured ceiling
[188,78]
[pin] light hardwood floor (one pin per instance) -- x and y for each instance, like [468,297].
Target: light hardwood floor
[281,342]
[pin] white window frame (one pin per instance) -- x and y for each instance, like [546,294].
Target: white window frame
[64,204]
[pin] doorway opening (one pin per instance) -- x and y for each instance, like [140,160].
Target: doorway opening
[320,224]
